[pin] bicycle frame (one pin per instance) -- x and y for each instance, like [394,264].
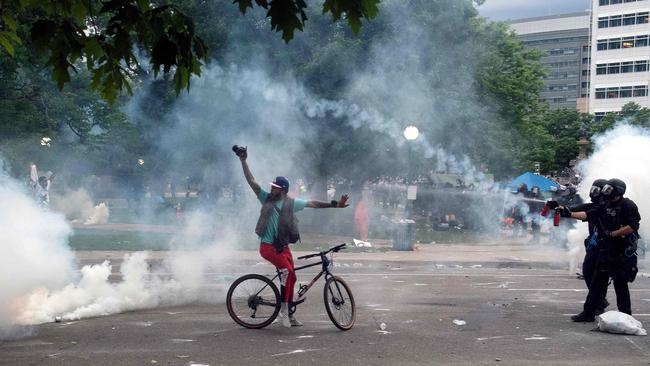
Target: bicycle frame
[324,262]
[335,294]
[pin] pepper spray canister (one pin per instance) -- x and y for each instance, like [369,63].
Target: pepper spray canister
[545,211]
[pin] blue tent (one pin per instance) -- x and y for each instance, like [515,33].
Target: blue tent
[532,179]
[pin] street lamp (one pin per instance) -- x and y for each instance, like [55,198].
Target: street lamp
[411,133]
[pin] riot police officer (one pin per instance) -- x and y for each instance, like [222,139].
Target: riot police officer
[617,224]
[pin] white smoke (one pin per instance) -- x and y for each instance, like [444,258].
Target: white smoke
[34,251]
[74,204]
[77,206]
[38,279]
[141,287]
[99,215]
[622,152]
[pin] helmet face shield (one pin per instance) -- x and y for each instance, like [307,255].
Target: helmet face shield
[594,191]
[607,190]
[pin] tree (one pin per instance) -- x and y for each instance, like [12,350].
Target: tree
[101,35]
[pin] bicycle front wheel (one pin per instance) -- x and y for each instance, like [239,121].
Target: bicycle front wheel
[253,301]
[339,303]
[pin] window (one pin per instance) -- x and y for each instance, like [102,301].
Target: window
[585,60]
[614,68]
[628,19]
[627,67]
[641,66]
[598,116]
[584,73]
[603,2]
[585,85]
[612,93]
[628,42]
[602,44]
[615,21]
[614,44]
[641,41]
[640,91]
[642,18]
[600,93]
[603,22]
[613,2]
[625,92]
[601,69]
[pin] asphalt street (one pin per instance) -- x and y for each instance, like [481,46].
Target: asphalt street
[434,313]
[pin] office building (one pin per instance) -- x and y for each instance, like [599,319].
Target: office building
[620,53]
[564,39]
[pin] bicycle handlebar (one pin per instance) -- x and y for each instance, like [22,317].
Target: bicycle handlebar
[332,249]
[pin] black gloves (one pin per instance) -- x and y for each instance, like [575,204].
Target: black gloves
[552,205]
[564,211]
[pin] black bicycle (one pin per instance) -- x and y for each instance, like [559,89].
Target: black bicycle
[253,300]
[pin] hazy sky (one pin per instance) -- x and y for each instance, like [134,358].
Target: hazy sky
[517,9]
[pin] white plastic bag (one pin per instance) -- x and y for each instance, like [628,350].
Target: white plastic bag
[620,323]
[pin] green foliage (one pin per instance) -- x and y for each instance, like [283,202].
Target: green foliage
[101,35]
[288,16]
[631,113]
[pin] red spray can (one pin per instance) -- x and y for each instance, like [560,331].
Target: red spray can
[545,211]
[556,218]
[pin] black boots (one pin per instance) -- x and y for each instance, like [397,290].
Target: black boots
[583,318]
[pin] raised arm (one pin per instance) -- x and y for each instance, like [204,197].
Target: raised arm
[338,204]
[247,173]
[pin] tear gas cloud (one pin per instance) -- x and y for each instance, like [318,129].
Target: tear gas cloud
[39,279]
[413,76]
[276,117]
[34,251]
[622,152]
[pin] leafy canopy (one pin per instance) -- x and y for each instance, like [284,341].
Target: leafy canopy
[101,35]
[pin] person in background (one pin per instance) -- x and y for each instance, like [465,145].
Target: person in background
[33,177]
[43,190]
[277,228]
[361,219]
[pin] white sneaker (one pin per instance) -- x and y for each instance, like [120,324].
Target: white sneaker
[283,316]
[294,322]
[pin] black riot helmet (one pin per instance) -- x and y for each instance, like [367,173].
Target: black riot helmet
[614,187]
[596,188]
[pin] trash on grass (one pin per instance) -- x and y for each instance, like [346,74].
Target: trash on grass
[360,243]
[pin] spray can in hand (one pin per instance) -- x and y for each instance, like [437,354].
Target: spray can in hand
[556,218]
[545,211]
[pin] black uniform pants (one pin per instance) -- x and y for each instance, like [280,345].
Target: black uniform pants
[598,289]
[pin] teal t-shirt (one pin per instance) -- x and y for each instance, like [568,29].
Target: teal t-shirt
[272,226]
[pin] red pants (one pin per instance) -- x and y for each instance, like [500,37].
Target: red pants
[281,261]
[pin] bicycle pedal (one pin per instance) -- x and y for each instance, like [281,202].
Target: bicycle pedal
[299,301]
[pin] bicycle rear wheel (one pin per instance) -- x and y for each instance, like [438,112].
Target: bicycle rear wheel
[339,303]
[253,301]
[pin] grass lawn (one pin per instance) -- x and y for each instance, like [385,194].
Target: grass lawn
[93,239]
